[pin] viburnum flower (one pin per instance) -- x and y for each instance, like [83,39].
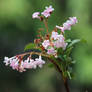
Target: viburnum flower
[46,43]
[39,61]
[51,51]
[21,66]
[54,35]
[36,15]
[48,11]
[67,25]
[60,42]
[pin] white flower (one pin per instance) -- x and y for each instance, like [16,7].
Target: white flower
[46,43]
[54,35]
[39,61]
[36,15]
[51,51]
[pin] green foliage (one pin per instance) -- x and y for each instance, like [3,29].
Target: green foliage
[74,42]
[30,46]
[51,65]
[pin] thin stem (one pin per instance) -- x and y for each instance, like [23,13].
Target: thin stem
[46,24]
[36,53]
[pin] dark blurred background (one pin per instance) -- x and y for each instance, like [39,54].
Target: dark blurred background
[17,28]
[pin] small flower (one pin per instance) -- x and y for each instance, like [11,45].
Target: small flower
[61,28]
[54,35]
[67,25]
[73,20]
[51,51]
[49,9]
[45,13]
[46,43]
[60,43]
[39,61]
[36,15]
[6,61]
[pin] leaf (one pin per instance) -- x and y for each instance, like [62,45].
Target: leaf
[68,40]
[68,51]
[30,46]
[51,65]
[69,75]
[74,42]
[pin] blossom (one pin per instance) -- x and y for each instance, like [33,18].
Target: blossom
[60,43]
[46,43]
[49,9]
[67,25]
[51,51]
[47,12]
[39,61]
[54,35]
[61,28]
[6,61]
[21,65]
[36,15]
[73,20]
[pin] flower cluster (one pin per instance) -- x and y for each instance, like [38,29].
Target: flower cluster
[49,44]
[56,41]
[67,25]
[46,13]
[18,64]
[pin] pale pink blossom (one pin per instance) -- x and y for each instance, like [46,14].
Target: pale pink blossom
[14,64]
[60,43]
[61,28]
[46,43]
[73,20]
[45,13]
[49,9]
[54,35]
[67,25]
[36,15]
[51,51]
[22,65]
[39,61]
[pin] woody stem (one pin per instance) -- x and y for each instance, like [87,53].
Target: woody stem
[61,72]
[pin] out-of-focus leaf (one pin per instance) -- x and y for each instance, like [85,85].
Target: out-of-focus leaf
[60,50]
[30,46]
[68,50]
[68,40]
[74,42]
[69,75]
[50,65]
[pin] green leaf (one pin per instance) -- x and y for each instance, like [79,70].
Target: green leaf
[69,75]
[68,40]
[68,51]
[51,65]
[30,46]
[74,42]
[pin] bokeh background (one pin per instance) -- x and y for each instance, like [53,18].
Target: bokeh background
[17,28]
